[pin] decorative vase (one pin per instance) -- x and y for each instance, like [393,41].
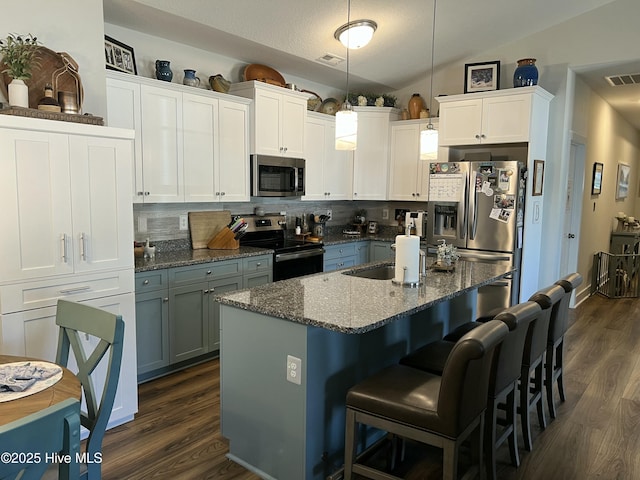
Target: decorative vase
[526,74]
[163,70]
[190,78]
[415,105]
[18,93]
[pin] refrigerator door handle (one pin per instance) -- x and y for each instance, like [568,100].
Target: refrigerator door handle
[464,205]
[474,225]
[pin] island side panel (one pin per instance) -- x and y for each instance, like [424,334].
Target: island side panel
[261,413]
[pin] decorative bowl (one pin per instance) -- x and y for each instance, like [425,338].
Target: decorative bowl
[263,73]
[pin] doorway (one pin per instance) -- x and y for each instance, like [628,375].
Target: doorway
[573,209]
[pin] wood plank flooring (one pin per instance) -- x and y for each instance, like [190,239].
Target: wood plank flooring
[596,435]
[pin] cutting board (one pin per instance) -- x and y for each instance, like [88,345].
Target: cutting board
[204,225]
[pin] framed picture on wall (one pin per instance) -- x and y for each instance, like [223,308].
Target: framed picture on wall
[596,183]
[622,184]
[119,56]
[481,77]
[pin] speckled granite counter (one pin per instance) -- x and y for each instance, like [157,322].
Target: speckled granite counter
[350,304]
[183,257]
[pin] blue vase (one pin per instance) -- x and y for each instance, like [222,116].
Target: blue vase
[526,74]
[163,70]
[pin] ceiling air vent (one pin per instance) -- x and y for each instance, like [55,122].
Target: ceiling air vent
[330,59]
[623,79]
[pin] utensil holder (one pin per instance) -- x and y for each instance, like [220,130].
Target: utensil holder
[224,240]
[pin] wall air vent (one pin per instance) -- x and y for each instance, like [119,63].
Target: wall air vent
[330,59]
[623,79]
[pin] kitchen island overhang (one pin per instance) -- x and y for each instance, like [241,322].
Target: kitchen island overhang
[343,329]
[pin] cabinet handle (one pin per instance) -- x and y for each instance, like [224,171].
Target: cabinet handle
[63,246]
[222,194]
[83,255]
[140,194]
[355,194]
[417,194]
[258,264]
[217,194]
[206,291]
[208,272]
[483,136]
[285,149]
[75,289]
[477,137]
[146,282]
[165,299]
[147,193]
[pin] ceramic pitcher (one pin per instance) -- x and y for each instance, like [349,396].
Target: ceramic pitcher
[190,78]
[163,70]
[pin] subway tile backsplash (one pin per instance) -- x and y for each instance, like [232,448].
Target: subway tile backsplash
[162,220]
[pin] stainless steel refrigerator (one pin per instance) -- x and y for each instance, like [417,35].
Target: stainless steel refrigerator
[478,207]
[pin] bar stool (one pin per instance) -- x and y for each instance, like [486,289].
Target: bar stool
[555,342]
[532,374]
[503,382]
[438,410]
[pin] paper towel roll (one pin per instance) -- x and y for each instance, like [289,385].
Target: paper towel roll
[407,255]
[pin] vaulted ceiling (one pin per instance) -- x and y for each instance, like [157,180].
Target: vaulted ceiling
[294,34]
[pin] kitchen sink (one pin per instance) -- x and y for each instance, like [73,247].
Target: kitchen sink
[383,272]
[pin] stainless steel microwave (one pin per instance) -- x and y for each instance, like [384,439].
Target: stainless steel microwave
[273,176]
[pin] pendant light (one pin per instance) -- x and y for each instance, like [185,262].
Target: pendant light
[346,117]
[429,136]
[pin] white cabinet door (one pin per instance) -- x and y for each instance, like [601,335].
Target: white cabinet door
[405,158]
[36,205]
[371,158]
[460,122]
[294,112]
[338,168]
[199,123]
[162,153]
[268,123]
[506,119]
[101,203]
[233,155]
[123,111]
[314,154]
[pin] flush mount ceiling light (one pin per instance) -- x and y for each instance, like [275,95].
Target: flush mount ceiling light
[356,34]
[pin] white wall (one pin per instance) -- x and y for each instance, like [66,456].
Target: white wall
[72,26]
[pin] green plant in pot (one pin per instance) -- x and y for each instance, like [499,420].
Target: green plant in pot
[19,54]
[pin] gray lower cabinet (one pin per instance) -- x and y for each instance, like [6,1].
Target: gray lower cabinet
[177,319]
[380,251]
[152,321]
[345,255]
[362,252]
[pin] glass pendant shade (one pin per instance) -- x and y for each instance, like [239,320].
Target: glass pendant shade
[429,143]
[346,129]
[356,34]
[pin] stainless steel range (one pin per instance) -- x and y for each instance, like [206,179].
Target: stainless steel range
[291,258]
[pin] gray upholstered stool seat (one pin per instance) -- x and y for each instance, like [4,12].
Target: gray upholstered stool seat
[438,410]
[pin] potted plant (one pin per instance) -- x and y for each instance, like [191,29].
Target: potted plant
[19,58]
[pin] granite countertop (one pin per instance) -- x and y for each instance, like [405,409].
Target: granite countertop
[354,305]
[187,256]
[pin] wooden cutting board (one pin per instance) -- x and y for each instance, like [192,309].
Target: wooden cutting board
[204,225]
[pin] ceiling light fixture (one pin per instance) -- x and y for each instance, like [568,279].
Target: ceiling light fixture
[356,34]
[429,136]
[346,117]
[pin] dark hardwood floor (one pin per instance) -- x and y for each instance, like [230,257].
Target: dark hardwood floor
[596,435]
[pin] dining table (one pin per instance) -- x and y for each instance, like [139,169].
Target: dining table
[67,387]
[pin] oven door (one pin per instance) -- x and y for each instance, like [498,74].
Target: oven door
[296,264]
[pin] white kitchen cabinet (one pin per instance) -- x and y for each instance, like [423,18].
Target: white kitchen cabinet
[66,203]
[277,119]
[193,143]
[328,171]
[500,116]
[408,175]
[371,157]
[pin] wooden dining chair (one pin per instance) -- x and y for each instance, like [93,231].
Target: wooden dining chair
[76,320]
[36,438]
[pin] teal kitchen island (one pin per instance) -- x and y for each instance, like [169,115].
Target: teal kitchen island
[290,350]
